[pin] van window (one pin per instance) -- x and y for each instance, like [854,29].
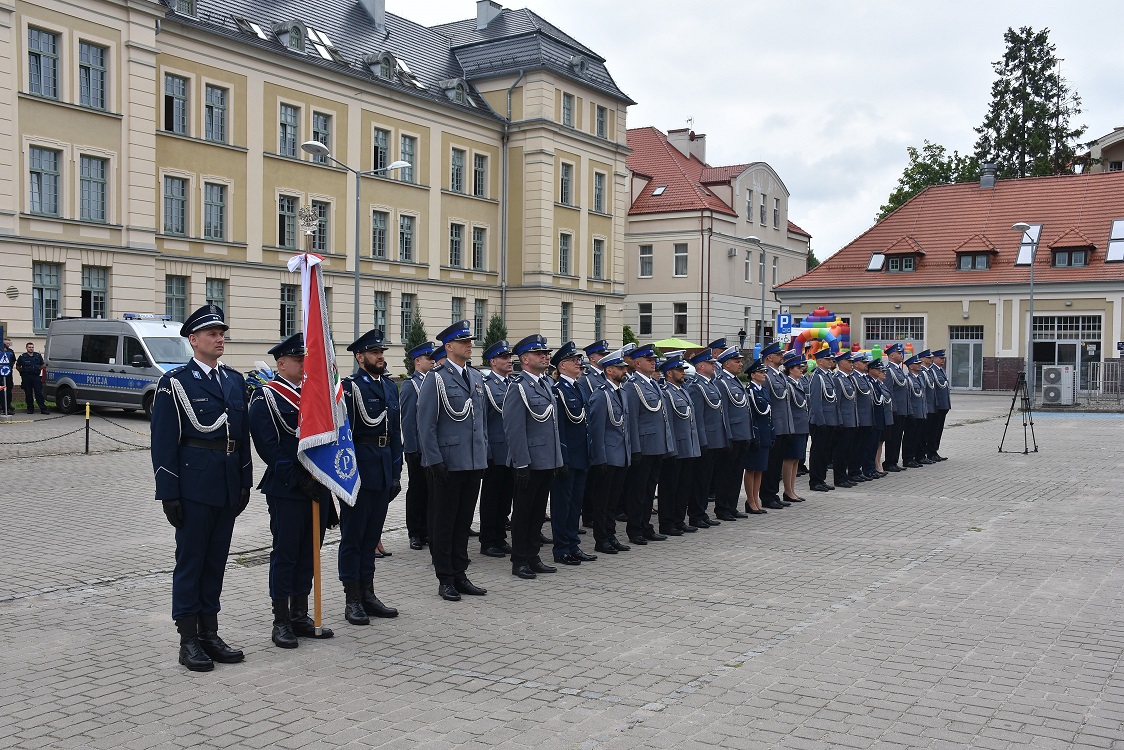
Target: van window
[133,348]
[168,350]
[65,347]
[99,349]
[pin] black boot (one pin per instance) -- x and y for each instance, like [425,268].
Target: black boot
[192,654]
[353,611]
[371,604]
[303,625]
[283,635]
[214,646]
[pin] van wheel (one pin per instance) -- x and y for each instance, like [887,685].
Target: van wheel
[148,405]
[66,401]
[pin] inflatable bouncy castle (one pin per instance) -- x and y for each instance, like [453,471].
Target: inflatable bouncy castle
[823,328]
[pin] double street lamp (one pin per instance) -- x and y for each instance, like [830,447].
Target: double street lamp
[319,150]
[1022,228]
[757,241]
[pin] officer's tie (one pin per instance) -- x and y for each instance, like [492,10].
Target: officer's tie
[464,376]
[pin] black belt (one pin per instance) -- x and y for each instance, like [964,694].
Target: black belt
[227,446]
[381,441]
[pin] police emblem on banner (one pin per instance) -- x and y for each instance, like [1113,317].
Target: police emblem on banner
[346,463]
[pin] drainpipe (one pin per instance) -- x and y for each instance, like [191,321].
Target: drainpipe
[503,211]
[703,267]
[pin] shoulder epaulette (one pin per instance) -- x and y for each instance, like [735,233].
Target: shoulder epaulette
[517,377]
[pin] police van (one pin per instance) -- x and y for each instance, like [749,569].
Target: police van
[114,363]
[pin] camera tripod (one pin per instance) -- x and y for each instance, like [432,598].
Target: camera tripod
[1027,414]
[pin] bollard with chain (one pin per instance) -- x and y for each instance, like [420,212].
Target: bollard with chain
[87,428]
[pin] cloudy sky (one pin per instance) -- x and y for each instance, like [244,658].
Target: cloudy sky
[828,92]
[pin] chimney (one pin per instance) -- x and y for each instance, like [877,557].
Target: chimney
[486,11]
[987,176]
[376,9]
[689,143]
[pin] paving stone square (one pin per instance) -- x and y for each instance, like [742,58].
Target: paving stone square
[973,603]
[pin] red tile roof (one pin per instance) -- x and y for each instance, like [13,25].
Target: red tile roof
[653,156]
[715,175]
[797,230]
[1074,210]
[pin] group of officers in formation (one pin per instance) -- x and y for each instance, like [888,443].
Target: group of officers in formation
[615,437]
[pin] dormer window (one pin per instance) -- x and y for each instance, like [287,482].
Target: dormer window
[456,89]
[579,64]
[382,65]
[386,68]
[296,39]
[1073,257]
[291,34]
[973,261]
[901,264]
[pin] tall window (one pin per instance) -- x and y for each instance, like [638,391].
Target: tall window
[406,238]
[214,114]
[407,151]
[175,207]
[598,322]
[92,189]
[95,291]
[601,126]
[749,205]
[599,192]
[456,171]
[748,268]
[456,309]
[45,293]
[645,318]
[599,259]
[380,157]
[381,301]
[645,261]
[287,221]
[565,184]
[776,271]
[175,104]
[566,317]
[216,293]
[479,313]
[43,63]
[479,248]
[456,245]
[745,318]
[680,259]
[175,297]
[568,110]
[762,210]
[680,319]
[406,315]
[214,211]
[44,168]
[321,235]
[480,175]
[290,300]
[91,75]
[290,127]
[379,221]
[776,213]
[322,133]
[564,254]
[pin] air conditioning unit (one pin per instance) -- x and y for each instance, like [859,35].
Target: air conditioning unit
[1058,388]
[732,252]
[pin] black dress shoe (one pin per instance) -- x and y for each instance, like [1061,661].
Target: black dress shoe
[192,654]
[544,539]
[622,517]
[670,531]
[493,552]
[416,542]
[618,545]
[581,530]
[711,521]
[449,592]
[936,457]
[819,487]
[845,483]
[753,512]
[539,566]
[473,532]
[637,540]
[523,571]
[856,478]
[796,499]
[605,548]
[652,536]
[583,556]
[924,461]
[567,560]
[686,527]
[726,516]
[738,514]
[911,465]
[468,588]
[699,523]
[772,505]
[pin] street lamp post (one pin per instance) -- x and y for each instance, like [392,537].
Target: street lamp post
[316,148]
[1022,227]
[757,241]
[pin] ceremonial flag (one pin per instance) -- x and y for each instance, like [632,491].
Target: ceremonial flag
[325,445]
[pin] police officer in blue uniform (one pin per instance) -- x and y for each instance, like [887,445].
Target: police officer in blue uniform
[675,472]
[499,482]
[652,441]
[714,437]
[453,438]
[847,433]
[417,493]
[274,416]
[30,366]
[567,492]
[930,384]
[942,401]
[530,420]
[913,440]
[594,375]
[373,411]
[610,450]
[729,464]
[203,472]
[776,388]
[897,381]
[823,419]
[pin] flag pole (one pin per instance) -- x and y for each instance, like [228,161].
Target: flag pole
[309,221]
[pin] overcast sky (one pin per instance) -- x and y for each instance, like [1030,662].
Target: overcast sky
[828,92]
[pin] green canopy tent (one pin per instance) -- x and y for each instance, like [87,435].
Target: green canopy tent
[674,343]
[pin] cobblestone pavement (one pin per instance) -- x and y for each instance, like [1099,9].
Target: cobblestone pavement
[974,603]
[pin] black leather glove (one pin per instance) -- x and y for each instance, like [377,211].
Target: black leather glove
[174,511]
[522,478]
[309,487]
[438,472]
[561,472]
[395,489]
[243,501]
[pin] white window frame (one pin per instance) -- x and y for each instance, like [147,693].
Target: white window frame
[642,257]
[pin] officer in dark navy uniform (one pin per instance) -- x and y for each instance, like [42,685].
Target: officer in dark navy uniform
[594,375]
[714,437]
[651,440]
[675,485]
[898,382]
[417,493]
[289,493]
[203,472]
[498,483]
[567,492]
[610,451]
[373,412]
[942,400]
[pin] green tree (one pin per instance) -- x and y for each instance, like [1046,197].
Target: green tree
[628,337]
[497,330]
[929,165]
[414,337]
[812,260]
[1027,131]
